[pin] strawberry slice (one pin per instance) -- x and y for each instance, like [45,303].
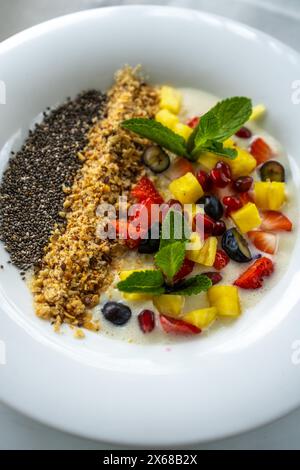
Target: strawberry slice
[145,189]
[264,241]
[122,230]
[253,277]
[178,327]
[193,122]
[221,260]
[186,269]
[180,167]
[276,221]
[260,150]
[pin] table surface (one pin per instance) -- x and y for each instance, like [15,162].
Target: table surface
[281,18]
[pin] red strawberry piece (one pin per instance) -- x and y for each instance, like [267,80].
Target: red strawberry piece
[260,150]
[264,241]
[145,189]
[122,232]
[244,133]
[180,167]
[186,269]
[276,221]
[221,260]
[214,277]
[178,327]
[204,180]
[146,321]
[252,278]
[193,122]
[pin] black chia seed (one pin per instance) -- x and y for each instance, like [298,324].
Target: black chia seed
[31,191]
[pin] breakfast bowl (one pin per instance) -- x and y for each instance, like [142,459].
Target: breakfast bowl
[235,377]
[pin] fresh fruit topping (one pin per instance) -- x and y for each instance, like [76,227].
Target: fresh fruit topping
[122,230]
[264,241]
[253,277]
[242,184]
[221,260]
[170,99]
[242,165]
[258,112]
[244,133]
[176,205]
[214,277]
[247,218]
[186,269]
[156,159]
[180,167]
[206,253]
[205,180]
[236,247]
[272,171]
[116,313]
[245,198]
[167,119]
[212,206]
[146,321]
[151,244]
[171,305]
[183,130]
[219,228]
[260,150]
[275,221]
[174,326]
[221,175]
[186,189]
[145,189]
[203,223]
[233,203]
[269,195]
[201,318]
[225,299]
[193,122]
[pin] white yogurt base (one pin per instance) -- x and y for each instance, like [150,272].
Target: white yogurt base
[195,103]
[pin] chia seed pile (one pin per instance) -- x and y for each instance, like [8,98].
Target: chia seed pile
[35,183]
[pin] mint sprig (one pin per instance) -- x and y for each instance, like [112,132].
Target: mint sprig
[217,125]
[170,259]
[148,282]
[192,286]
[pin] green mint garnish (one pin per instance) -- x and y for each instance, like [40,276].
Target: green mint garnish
[174,228]
[148,282]
[170,259]
[193,286]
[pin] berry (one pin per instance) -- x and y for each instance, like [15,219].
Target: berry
[219,228]
[212,206]
[244,133]
[116,313]
[261,151]
[146,321]
[243,184]
[264,241]
[204,180]
[252,278]
[221,260]
[193,122]
[221,175]
[232,203]
[214,277]
[185,270]
[172,325]
[275,221]
[235,246]
[245,198]
[203,222]
[145,189]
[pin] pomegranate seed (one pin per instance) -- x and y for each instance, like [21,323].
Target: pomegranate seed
[146,321]
[244,133]
[219,228]
[225,168]
[204,222]
[193,122]
[221,260]
[233,203]
[205,180]
[214,277]
[221,175]
[243,184]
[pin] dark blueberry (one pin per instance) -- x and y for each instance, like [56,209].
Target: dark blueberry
[272,171]
[156,159]
[116,313]
[236,246]
[151,244]
[212,207]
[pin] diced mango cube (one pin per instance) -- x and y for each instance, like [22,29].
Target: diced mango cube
[258,112]
[170,99]
[132,296]
[171,305]
[206,254]
[195,244]
[225,299]
[167,119]
[201,318]
[269,195]
[186,189]
[183,130]
[247,218]
[242,165]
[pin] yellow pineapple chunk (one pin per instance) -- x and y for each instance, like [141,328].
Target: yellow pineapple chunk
[167,119]
[170,99]
[183,130]
[225,299]
[132,296]
[258,112]
[205,254]
[247,218]
[186,189]
[269,195]
[201,318]
[171,305]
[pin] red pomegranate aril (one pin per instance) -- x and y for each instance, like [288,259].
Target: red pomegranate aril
[205,223]
[221,175]
[243,184]
[221,260]
[146,321]
[204,180]
[193,122]
[214,277]
[244,133]
[233,203]
[225,169]
[219,228]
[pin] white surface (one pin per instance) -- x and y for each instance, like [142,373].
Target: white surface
[206,446]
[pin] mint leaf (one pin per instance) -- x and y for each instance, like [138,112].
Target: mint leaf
[193,286]
[148,282]
[223,120]
[170,258]
[157,133]
[174,228]
[217,148]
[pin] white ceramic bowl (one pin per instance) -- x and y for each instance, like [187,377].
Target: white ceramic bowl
[240,377]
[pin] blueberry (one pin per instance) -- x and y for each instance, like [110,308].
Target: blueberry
[150,245]
[236,246]
[116,313]
[212,207]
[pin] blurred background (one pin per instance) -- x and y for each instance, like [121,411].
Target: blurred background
[281,18]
